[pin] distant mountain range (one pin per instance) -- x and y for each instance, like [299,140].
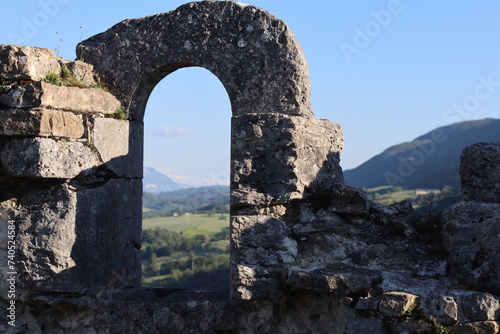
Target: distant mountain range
[156,182]
[429,161]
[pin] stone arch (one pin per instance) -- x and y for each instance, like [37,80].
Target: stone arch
[279,153]
[254,54]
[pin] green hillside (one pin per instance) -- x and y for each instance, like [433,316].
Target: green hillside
[429,161]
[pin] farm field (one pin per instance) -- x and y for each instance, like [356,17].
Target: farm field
[189,225]
[423,204]
[186,251]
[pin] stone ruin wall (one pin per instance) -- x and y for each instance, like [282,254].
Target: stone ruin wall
[61,179]
[309,254]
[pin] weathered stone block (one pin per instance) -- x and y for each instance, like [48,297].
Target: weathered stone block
[45,235]
[262,243]
[479,327]
[444,308]
[46,158]
[252,283]
[27,62]
[396,217]
[395,303]
[331,224]
[480,172]
[261,253]
[400,213]
[481,307]
[336,278]
[43,94]
[470,236]
[110,137]
[368,303]
[260,231]
[319,143]
[345,199]
[303,151]
[40,122]
[82,71]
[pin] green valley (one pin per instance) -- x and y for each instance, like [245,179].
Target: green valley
[186,251]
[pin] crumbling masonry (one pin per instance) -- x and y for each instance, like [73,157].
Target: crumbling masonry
[309,254]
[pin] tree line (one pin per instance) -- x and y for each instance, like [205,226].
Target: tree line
[194,262]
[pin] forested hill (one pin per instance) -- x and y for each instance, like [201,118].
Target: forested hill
[429,161]
[203,199]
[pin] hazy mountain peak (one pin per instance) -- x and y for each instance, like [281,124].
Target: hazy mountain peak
[155,181]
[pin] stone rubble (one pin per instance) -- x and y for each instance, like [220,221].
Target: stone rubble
[395,304]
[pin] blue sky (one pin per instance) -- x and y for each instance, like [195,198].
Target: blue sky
[387,71]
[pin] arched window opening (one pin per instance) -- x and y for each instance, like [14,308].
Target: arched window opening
[185,237]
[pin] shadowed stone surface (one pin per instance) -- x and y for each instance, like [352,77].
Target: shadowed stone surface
[471,227]
[479,327]
[480,172]
[471,236]
[481,306]
[108,221]
[177,311]
[341,280]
